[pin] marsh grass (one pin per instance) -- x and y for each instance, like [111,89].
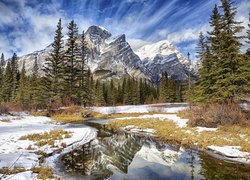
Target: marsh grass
[8,171]
[230,135]
[44,172]
[47,138]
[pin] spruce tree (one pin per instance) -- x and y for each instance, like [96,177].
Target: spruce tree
[72,58]
[164,88]
[54,69]
[2,67]
[22,96]
[226,74]
[248,37]
[84,74]
[7,86]
[15,76]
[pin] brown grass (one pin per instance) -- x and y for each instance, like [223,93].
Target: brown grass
[98,115]
[215,115]
[231,135]
[8,171]
[44,172]
[47,137]
[39,113]
[70,114]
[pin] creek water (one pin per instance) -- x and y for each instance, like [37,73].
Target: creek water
[121,155]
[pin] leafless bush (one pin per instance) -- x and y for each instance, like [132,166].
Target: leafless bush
[217,114]
[3,109]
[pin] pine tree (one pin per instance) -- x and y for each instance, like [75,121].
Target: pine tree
[7,86]
[22,96]
[201,47]
[72,58]
[226,84]
[54,69]
[15,76]
[84,74]
[164,88]
[2,67]
[248,37]
[99,94]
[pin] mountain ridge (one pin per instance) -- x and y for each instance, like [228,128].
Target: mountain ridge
[112,56]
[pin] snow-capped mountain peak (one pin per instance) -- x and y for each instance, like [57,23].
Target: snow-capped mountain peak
[149,51]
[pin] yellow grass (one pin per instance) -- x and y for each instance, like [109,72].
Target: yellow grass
[44,172]
[39,113]
[47,137]
[231,135]
[7,171]
[67,118]
[98,115]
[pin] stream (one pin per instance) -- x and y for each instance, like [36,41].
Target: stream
[121,155]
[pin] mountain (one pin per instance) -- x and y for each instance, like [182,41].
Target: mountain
[112,57]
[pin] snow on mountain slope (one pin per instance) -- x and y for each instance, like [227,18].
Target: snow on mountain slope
[164,47]
[112,57]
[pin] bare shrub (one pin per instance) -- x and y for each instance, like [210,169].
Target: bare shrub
[217,114]
[4,109]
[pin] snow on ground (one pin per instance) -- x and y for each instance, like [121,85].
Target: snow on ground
[165,107]
[232,153]
[200,129]
[13,152]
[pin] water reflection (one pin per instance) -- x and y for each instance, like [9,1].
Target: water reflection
[127,156]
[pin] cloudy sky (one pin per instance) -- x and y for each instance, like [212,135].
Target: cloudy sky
[29,25]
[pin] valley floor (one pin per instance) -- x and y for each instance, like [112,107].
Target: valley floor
[159,120]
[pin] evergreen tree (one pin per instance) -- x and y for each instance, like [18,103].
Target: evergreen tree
[248,37]
[54,69]
[23,96]
[226,72]
[164,88]
[2,67]
[72,58]
[201,47]
[84,74]
[99,94]
[37,92]
[15,76]
[7,86]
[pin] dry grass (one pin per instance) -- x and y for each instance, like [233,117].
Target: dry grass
[47,138]
[231,135]
[44,172]
[8,171]
[39,113]
[71,114]
[98,115]
[67,118]
[215,115]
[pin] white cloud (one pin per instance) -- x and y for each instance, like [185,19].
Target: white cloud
[189,34]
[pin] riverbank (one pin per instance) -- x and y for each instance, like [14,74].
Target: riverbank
[229,142]
[23,158]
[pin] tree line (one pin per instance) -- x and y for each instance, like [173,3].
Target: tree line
[68,80]
[224,75]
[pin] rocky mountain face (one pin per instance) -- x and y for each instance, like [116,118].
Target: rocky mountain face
[112,57]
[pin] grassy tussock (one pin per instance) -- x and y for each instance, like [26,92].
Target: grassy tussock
[231,135]
[44,172]
[69,115]
[8,171]
[47,138]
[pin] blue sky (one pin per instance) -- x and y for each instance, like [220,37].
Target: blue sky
[29,25]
